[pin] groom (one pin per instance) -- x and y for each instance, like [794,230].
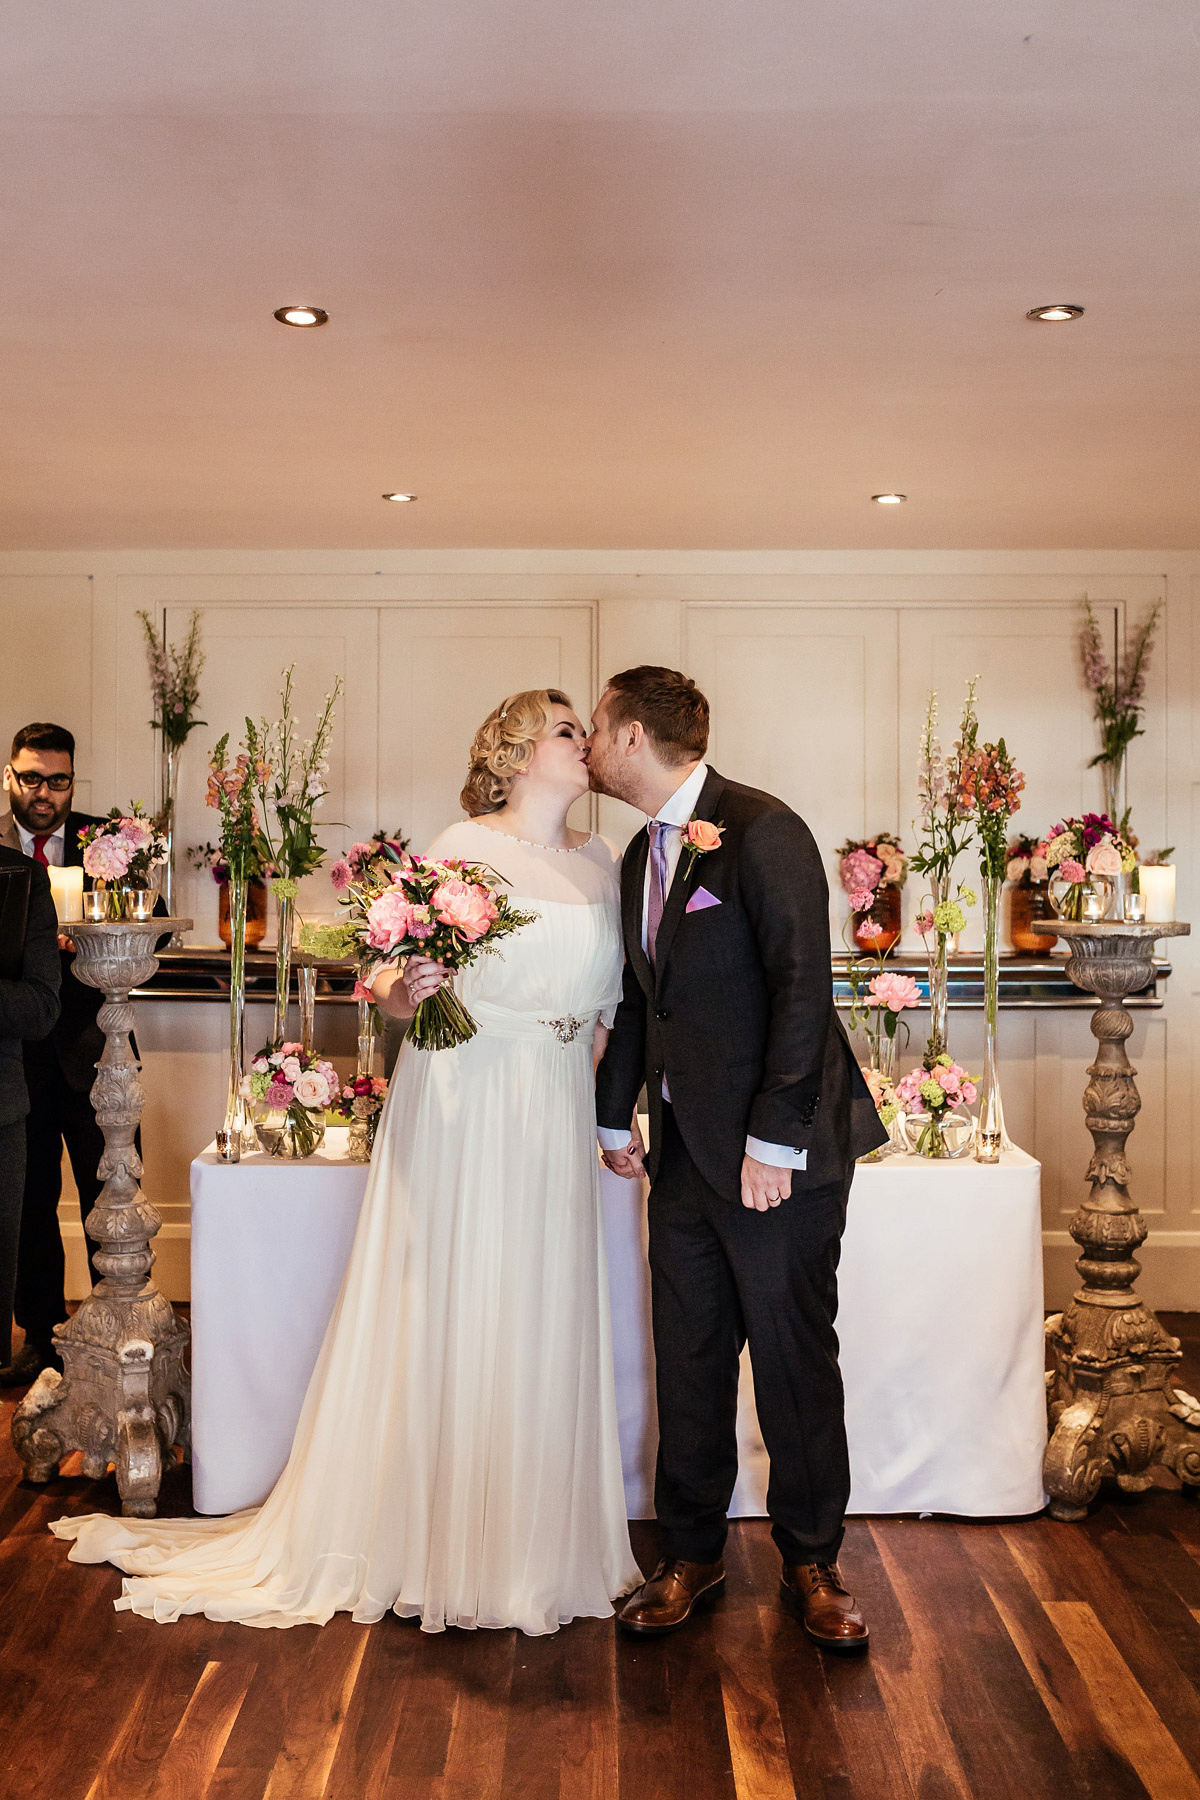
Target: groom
[757,1113]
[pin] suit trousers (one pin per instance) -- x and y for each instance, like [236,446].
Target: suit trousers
[723,1275]
[58,1114]
[12,1186]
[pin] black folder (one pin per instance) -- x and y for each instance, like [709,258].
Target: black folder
[14,914]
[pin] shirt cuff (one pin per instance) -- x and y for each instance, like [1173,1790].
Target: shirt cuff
[611,1139]
[778,1156]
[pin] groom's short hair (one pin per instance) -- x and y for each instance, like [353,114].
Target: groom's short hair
[667,705]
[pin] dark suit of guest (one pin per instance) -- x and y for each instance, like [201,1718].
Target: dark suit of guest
[736,1015]
[28,1010]
[59,1072]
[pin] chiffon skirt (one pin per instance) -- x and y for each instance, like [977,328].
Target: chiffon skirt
[457,1458]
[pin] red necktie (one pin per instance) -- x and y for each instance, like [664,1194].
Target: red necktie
[41,839]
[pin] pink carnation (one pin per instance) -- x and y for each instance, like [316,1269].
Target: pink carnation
[862,900]
[1072,871]
[389,920]
[895,991]
[340,874]
[465,907]
[279,1095]
[869,929]
[361,852]
[860,870]
[108,858]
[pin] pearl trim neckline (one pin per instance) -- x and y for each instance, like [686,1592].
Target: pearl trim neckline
[532,843]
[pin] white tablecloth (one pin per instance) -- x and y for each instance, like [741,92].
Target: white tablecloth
[940,1327]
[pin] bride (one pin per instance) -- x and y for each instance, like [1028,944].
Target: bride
[456,1460]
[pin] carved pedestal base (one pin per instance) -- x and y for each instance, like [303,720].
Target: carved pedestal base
[123,1395]
[1113,1408]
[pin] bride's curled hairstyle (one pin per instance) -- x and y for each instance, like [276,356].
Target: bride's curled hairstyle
[503,747]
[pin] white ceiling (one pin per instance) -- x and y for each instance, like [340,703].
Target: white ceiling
[641,273]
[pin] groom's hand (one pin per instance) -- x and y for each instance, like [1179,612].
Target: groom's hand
[763,1185]
[630,1162]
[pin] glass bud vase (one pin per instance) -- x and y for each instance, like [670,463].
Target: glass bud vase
[283,964]
[237,1133]
[365,1064]
[306,989]
[990,1135]
[939,993]
[170,780]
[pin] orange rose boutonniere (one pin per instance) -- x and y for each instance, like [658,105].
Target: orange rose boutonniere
[699,837]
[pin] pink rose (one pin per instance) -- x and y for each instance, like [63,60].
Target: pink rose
[924,923]
[290,1049]
[465,907]
[895,991]
[388,920]
[290,1069]
[1104,858]
[1072,871]
[339,874]
[862,900]
[950,1079]
[363,993]
[968,1092]
[703,834]
[312,1089]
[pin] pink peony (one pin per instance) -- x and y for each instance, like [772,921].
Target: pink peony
[1104,858]
[108,858]
[860,870]
[465,907]
[862,900]
[895,991]
[340,874]
[1072,871]
[389,920]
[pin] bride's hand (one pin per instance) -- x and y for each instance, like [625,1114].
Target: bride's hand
[630,1162]
[423,977]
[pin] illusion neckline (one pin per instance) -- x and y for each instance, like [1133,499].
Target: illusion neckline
[532,843]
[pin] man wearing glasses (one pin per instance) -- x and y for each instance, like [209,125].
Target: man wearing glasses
[39,780]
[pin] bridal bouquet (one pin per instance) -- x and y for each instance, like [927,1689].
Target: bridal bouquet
[123,847]
[449,911]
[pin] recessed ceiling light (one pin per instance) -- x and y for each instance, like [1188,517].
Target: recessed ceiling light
[399,497]
[889,499]
[302,315]
[1054,315]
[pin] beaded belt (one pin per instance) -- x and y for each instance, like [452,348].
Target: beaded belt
[504,1021]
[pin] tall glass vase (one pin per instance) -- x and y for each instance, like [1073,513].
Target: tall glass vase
[990,1135]
[169,781]
[238,1130]
[1114,789]
[306,989]
[366,1036]
[939,996]
[283,964]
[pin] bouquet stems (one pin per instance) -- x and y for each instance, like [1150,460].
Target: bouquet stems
[441,1022]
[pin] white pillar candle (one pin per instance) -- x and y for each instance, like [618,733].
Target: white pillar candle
[67,887]
[1157,884]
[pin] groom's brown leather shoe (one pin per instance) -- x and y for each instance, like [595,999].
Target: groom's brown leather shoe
[667,1600]
[831,1616]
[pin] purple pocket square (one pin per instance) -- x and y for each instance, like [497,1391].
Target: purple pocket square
[700,900]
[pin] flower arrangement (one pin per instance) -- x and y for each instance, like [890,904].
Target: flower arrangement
[934,1087]
[946,828]
[402,906]
[867,866]
[285,1078]
[1119,693]
[124,847]
[876,1004]
[230,792]
[1027,860]
[174,680]
[360,1103]
[989,789]
[1080,848]
[883,1093]
[291,782]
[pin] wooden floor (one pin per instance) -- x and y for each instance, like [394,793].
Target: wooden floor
[1021,1660]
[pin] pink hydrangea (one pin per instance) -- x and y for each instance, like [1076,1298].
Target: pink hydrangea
[860,870]
[108,858]
[465,907]
[895,991]
[389,920]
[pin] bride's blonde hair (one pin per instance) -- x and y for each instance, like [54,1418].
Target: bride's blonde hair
[503,747]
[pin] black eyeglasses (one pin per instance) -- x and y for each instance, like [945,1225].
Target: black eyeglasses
[30,781]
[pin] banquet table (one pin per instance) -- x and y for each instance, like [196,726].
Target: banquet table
[940,1325]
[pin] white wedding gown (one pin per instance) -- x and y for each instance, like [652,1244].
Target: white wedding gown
[457,1458]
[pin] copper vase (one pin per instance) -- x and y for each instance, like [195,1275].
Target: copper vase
[256,913]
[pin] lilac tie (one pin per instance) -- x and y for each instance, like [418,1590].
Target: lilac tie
[658,883]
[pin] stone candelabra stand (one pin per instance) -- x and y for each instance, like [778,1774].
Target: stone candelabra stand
[1113,1407]
[123,1395]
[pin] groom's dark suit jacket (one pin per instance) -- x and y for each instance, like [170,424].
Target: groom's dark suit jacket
[738,1011]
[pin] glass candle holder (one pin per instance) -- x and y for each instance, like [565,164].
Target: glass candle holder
[139,904]
[95,906]
[1134,909]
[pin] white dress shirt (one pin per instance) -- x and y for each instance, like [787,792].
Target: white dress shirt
[55,846]
[676,813]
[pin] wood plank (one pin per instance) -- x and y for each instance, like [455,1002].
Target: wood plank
[1125,1712]
[479,1726]
[380,1699]
[533,1744]
[317,1711]
[190,1760]
[588,1768]
[131,1766]
[905,1658]
[422,1739]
